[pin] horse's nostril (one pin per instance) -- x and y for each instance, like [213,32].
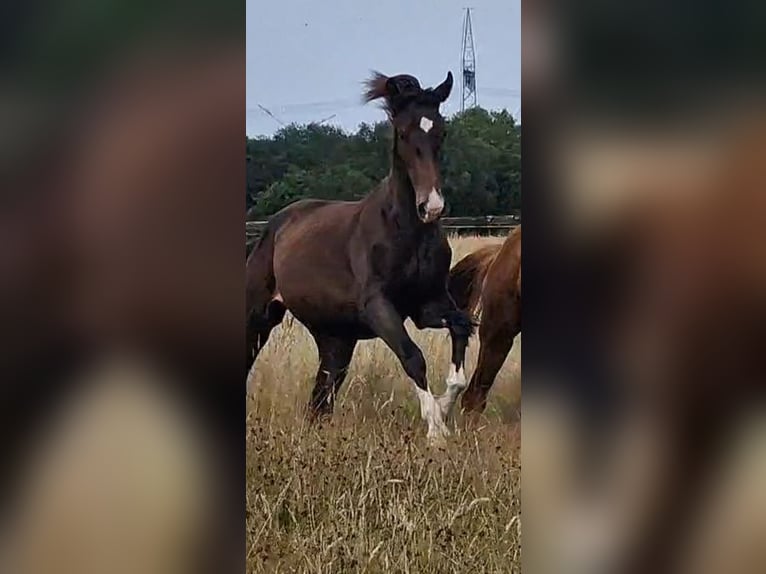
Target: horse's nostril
[422,210]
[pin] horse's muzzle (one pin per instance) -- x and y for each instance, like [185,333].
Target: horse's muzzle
[431,209]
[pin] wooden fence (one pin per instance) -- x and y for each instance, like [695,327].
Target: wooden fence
[482,225]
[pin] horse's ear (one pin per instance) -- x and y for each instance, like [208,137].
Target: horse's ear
[442,91]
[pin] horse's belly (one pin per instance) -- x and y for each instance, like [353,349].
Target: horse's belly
[338,323]
[319,298]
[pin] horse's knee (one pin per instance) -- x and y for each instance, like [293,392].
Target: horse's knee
[460,325]
[415,366]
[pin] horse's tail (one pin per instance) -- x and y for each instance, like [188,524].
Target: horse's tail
[259,265]
[259,270]
[260,286]
[466,278]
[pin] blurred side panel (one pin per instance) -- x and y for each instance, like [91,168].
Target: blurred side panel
[121,286]
[645,287]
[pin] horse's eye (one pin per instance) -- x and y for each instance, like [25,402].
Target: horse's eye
[418,152]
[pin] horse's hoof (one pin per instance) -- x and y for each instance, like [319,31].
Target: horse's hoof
[437,442]
[438,438]
[445,406]
[318,418]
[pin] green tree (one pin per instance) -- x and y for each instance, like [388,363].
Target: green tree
[481,167]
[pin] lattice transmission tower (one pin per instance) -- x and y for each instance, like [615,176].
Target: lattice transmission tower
[469,65]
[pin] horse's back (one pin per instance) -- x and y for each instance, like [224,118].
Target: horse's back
[466,278]
[307,216]
[310,226]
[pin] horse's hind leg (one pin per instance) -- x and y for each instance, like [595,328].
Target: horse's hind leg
[259,327]
[495,342]
[334,357]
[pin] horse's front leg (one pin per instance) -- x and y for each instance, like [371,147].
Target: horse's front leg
[387,324]
[442,313]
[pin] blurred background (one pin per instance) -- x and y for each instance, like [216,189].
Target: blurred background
[644,442]
[645,197]
[121,170]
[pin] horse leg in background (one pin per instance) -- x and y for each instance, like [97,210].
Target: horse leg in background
[259,327]
[334,357]
[387,324]
[438,315]
[500,325]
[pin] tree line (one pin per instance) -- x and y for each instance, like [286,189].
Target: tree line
[481,164]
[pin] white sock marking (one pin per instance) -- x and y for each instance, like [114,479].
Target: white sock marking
[431,412]
[426,124]
[456,383]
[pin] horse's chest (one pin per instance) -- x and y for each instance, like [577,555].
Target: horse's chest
[410,266]
[414,273]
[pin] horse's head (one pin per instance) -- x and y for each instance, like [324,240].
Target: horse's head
[419,133]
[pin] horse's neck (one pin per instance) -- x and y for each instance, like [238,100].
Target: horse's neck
[395,198]
[399,196]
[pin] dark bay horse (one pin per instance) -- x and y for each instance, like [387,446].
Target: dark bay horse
[489,281]
[357,270]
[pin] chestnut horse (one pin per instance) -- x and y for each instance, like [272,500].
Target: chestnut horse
[357,270]
[488,281]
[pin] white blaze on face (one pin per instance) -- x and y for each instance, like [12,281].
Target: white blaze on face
[434,202]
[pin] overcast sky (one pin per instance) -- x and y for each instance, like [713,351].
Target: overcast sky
[306,59]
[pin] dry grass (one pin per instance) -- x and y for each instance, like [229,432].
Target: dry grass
[364,492]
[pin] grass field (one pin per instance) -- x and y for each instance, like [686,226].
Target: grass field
[364,492]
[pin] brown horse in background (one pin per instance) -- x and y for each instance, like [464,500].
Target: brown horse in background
[357,270]
[488,282]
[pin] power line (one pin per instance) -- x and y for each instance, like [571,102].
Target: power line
[510,92]
[327,106]
[268,113]
[323,120]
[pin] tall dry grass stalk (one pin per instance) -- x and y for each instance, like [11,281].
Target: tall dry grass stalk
[364,492]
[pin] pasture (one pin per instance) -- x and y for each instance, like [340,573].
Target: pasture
[364,492]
